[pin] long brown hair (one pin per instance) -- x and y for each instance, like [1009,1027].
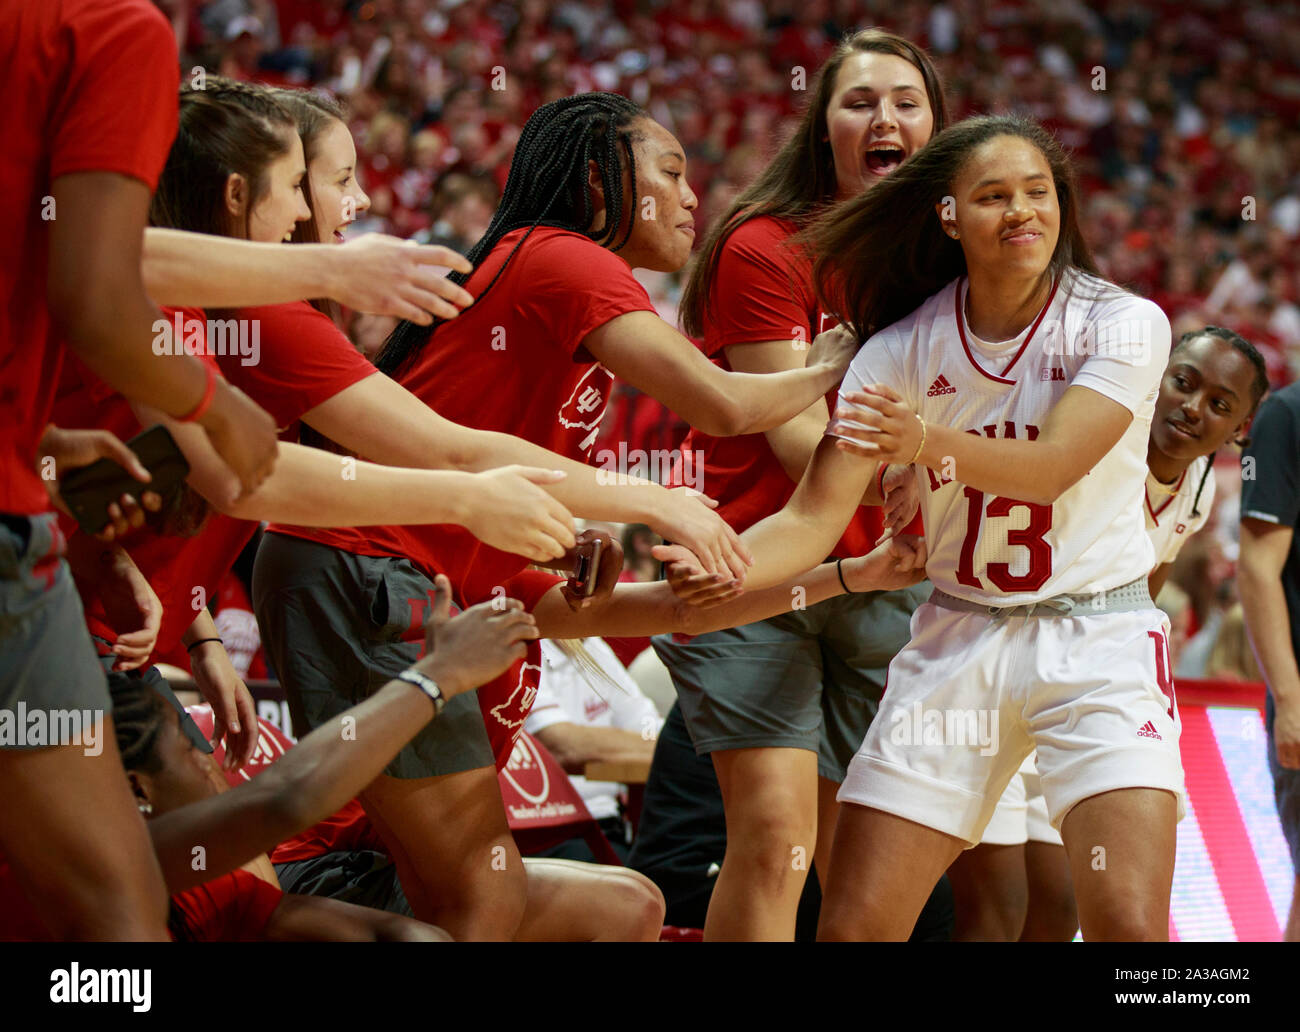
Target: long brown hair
[227,128]
[801,178]
[878,256]
[314,113]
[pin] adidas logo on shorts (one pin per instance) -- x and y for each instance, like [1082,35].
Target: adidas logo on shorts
[1148,730]
[940,386]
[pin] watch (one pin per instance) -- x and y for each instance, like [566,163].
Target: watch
[427,685]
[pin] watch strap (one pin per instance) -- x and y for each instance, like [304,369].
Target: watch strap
[427,685]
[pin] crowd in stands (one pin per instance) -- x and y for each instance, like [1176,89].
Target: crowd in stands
[1181,116]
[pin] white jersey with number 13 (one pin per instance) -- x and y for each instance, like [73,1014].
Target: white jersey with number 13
[1003,551]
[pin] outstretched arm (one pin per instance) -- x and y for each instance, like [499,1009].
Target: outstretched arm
[646,352]
[803,533]
[375,273]
[410,433]
[640,610]
[313,488]
[99,303]
[1264,551]
[338,759]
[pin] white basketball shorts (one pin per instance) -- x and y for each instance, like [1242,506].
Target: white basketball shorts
[1021,814]
[972,695]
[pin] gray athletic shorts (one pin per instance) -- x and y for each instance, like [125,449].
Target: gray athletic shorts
[47,661]
[804,680]
[1286,789]
[361,876]
[333,625]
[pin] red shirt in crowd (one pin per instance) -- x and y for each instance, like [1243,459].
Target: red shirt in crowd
[89,86]
[762,292]
[183,571]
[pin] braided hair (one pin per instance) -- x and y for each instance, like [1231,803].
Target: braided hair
[1258,388]
[547,186]
[139,716]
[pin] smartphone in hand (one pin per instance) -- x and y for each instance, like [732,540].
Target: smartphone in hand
[586,568]
[90,490]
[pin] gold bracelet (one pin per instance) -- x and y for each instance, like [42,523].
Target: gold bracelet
[920,446]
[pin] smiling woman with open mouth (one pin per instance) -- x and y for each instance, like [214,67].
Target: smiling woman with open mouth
[782,747]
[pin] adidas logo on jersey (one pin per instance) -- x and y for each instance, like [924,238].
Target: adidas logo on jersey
[1052,373]
[940,386]
[1148,730]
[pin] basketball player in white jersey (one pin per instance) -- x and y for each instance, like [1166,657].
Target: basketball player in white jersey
[1021,386]
[1016,882]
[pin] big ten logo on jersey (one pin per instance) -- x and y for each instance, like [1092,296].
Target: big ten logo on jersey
[585,406]
[1008,431]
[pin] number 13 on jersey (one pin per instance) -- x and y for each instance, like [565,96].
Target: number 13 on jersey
[1031,537]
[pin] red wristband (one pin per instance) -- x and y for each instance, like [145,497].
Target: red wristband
[200,410]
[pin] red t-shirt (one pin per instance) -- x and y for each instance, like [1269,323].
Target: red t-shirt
[301,360]
[762,291]
[88,86]
[233,908]
[183,571]
[513,362]
[506,702]
[349,829]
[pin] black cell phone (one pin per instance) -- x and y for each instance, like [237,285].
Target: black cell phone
[587,567]
[90,490]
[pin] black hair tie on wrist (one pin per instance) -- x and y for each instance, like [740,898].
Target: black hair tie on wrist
[840,570]
[202,641]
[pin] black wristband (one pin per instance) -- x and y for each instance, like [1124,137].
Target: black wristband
[203,641]
[839,570]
